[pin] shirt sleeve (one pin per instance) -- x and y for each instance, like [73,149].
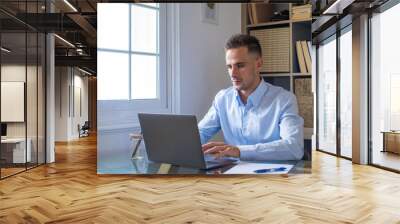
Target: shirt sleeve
[291,144]
[210,124]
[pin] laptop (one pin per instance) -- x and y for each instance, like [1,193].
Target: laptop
[175,139]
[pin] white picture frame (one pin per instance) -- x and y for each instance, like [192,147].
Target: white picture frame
[12,101]
[209,13]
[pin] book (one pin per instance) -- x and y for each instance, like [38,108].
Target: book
[254,13]
[307,55]
[250,13]
[300,57]
[309,46]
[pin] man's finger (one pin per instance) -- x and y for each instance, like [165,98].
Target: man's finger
[215,149]
[211,144]
[224,152]
[229,151]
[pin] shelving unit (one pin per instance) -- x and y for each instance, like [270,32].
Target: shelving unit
[298,30]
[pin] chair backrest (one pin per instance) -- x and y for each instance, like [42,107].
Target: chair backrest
[86,125]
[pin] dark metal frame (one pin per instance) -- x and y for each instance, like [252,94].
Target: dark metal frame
[369,114]
[338,98]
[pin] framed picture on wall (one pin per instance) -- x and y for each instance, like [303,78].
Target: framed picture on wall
[209,13]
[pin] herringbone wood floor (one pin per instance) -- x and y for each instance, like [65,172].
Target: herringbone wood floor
[69,191]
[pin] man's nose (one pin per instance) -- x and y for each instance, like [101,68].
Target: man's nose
[234,71]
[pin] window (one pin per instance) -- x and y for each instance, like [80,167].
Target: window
[385,87]
[327,95]
[394,101]
[130,66]
[346,92]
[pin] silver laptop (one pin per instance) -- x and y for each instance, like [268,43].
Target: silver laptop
[175,139]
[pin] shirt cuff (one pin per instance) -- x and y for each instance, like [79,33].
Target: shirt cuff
[247,152]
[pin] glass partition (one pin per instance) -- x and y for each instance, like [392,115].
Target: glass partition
[326,128]
[13,106]
[22,88]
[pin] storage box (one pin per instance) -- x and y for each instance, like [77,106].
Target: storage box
[259,12]
[275,44]
[302,12]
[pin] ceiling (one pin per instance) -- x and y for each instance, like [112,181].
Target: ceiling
[72,20]
[339,14]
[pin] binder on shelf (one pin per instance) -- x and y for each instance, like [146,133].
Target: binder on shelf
[300,57]
[307,55]
[254,13]
[309,46]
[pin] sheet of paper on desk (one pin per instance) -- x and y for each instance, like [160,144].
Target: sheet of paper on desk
[250,168]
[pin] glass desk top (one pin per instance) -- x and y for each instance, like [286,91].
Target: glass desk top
[114,156]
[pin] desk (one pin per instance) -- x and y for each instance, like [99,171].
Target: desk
[118,161]
[16,147]
[391,141]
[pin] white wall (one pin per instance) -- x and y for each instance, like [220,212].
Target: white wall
[61,103]
[33,126]
[18,73]
[82,82]
[80,109]
[67,83]
[202,58]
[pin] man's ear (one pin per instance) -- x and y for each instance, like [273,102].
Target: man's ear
[259,62]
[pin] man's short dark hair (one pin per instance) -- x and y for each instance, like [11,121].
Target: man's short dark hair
[244,40]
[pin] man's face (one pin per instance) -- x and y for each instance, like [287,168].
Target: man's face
[243,68]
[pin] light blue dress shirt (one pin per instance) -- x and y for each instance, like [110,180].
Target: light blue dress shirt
[267,127]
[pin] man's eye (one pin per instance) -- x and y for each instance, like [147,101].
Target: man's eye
[240,65]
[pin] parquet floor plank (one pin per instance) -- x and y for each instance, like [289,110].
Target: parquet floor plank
[70,191]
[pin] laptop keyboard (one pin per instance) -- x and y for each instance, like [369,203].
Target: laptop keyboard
[213,160]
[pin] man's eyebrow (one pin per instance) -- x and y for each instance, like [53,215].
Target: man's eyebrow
[240,62]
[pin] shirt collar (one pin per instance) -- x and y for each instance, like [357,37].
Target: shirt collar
[256,96]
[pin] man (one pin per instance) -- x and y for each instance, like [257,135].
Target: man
[259,121]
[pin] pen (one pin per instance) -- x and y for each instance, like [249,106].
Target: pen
[279,169]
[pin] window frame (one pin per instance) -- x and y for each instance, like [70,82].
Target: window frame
[334,37]
[159,104]
[378,10]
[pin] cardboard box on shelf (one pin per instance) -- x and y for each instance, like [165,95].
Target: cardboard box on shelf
[259,12]
[302,12]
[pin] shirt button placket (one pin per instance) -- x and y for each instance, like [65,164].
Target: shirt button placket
[245,121]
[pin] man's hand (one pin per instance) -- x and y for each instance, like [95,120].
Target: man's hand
[220,149]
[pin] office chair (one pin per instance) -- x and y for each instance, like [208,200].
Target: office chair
[84,130]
